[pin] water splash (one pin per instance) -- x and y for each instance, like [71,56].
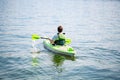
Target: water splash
[34,47]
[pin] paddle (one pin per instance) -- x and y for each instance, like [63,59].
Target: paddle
[36,36]
[67,41]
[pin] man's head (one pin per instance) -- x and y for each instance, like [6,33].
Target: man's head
[60,29]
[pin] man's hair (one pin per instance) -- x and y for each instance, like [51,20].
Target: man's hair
[60,28]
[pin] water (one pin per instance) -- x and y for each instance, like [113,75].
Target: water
[93,26]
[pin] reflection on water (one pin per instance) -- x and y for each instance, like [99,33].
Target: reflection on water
[39,64]
[35,60]
[58,61]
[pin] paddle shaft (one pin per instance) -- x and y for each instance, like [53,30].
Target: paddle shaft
[44,38]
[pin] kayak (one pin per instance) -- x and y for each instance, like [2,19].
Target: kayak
[65,49]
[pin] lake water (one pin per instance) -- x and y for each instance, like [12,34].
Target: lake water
[93,26]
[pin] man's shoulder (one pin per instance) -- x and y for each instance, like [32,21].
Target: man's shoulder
[55,37]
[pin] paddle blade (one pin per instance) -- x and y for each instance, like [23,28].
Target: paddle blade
[68,41]
[35,36]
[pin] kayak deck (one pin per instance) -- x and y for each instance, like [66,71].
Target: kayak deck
[66,50]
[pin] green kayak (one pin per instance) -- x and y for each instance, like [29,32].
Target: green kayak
[65,50]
